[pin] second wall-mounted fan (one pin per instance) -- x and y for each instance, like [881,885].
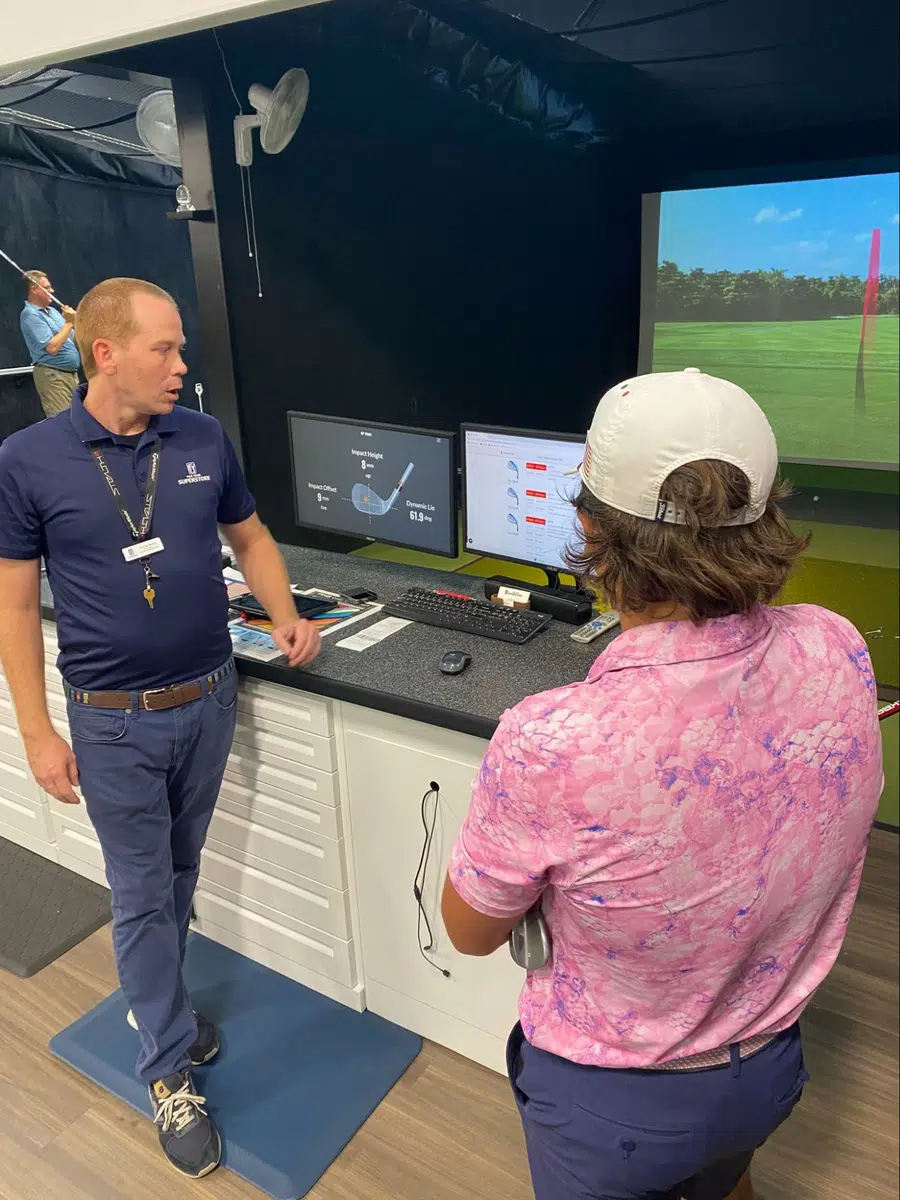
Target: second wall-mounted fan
[157,127]
[278,113]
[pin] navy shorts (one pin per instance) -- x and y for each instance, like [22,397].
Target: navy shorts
[599,1134]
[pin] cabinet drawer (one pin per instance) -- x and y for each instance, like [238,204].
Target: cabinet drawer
[288,816]
[302,901]
[327,955]
[56,704]
[285,706]
[7,712]
[263,737]
[77,814]
[52,677]
[78,841]
[275,777]
[28,815]
[12,751]
[16,780]
[308,854]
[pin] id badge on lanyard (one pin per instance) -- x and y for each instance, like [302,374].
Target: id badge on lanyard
[142,547]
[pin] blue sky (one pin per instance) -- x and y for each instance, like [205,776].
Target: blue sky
[815,227]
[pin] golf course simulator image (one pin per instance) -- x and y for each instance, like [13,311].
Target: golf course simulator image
[789,290]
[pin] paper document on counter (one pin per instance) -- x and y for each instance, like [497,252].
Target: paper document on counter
[374,634]
[252,643]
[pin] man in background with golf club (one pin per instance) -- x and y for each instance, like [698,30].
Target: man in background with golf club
[50,339]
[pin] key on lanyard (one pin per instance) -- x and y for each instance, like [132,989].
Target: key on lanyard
[149,590]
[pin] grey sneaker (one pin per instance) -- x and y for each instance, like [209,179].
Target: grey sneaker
[189,1139]
[205,1048]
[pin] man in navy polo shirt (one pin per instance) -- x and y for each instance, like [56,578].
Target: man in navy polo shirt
[122,495]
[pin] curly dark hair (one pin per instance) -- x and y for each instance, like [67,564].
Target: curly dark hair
[709,569]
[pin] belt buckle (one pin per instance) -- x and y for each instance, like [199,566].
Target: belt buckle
[152,692]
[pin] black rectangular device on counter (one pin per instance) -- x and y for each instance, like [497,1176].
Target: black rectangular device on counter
[569,605]
[307,606]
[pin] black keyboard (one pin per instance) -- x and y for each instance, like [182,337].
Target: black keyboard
[468,616]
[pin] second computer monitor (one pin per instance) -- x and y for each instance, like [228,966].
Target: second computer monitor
[384,483]
[518,491]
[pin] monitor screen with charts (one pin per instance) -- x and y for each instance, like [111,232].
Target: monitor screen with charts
[383,483]
[518,491]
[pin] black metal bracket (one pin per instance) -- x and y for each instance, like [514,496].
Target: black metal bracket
[193,214]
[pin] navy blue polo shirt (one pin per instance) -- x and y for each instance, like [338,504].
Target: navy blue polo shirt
[55,504]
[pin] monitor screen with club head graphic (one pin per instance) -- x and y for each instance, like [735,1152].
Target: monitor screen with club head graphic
[383,483]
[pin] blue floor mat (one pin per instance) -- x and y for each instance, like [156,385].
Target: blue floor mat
[297,1075]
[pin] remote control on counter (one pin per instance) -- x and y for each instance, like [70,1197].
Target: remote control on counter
[597,627]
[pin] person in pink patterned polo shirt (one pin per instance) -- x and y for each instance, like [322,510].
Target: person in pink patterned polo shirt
[692,819]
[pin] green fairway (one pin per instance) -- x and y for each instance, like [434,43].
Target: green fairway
[803,374]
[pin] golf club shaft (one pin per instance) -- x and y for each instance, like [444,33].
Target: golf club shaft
[15,265]
[389,503]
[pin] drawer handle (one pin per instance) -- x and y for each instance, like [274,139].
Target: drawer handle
[272,833]
[271,880]
[282,930]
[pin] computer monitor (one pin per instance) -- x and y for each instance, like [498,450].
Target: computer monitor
[383,483]
[517,494]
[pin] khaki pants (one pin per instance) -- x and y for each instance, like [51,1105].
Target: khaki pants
[55,389]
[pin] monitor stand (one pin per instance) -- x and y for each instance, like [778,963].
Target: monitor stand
[568,604]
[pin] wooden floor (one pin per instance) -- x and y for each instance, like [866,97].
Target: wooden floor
[448,1131]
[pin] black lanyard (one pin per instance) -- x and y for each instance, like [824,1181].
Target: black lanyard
[138,532]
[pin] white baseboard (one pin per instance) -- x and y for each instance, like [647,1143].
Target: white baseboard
[437,1026]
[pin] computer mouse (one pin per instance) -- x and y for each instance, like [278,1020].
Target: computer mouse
[455,662]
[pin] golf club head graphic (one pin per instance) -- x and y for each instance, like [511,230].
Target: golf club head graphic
[513,496]
[513,521]
[366,500]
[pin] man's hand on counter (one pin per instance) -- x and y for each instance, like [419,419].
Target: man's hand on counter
[259,561]
[298,641]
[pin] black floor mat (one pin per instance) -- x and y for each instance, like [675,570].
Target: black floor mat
[45,910]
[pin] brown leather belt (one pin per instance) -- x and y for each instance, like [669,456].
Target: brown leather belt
[155,699]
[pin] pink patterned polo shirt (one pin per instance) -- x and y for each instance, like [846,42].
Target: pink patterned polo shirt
[696,816]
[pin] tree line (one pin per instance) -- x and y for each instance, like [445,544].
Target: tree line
[701,295]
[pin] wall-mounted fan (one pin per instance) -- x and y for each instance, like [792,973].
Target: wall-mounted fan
[278,113]
[157,127]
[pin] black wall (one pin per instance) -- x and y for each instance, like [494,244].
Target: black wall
[81,231]
[421,264]
[425,260]
[431,250]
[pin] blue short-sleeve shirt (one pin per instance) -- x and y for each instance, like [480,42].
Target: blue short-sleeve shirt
[39,326]
[55,504]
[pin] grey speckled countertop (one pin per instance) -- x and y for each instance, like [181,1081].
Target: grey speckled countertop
[401,674]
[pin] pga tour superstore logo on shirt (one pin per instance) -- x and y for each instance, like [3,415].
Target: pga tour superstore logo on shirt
[193,476]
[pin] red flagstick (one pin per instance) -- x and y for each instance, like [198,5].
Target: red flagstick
[867,328]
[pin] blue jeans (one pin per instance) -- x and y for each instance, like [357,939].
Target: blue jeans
[150,781]
[599,1134]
